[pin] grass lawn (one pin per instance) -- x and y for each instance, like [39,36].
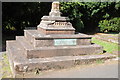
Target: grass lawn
[108,46]
[6,67]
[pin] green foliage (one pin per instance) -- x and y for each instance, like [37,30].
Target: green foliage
[110,25]
[90,13]
[99,61]
[106,16]
[21,15]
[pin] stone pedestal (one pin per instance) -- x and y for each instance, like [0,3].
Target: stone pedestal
[53,45]
[54,23]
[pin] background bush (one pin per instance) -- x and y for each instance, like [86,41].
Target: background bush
[112,25]
[89,13]
[16,16]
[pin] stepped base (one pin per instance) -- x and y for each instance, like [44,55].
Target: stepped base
[20,64]
[43,52]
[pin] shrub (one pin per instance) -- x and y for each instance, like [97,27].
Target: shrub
[112,25]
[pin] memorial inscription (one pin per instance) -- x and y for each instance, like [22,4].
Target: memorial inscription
[60,42]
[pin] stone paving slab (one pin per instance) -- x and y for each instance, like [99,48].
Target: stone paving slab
[108,69]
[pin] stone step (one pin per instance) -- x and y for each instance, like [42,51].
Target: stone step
[37,39]
[38,35]
[42,52]
[23,41]
[23,65]
[15,53]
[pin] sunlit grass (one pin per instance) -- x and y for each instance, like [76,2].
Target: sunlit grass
[108,46]
[98,61]
[6,67]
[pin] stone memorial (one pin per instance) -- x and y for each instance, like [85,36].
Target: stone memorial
[53,45]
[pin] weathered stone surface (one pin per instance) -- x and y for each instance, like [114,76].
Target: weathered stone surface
[55,9]
[38,35]
[56,31]
[64,51]
[54,23]
[15,54]
[55,18]
[38,39]
[41,52]
[21,65]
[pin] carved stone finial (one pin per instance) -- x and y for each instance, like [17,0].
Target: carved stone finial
[55,6]
[55,9]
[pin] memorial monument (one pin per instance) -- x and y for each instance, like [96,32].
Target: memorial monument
[53,45]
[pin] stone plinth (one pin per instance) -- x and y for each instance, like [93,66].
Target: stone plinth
[38,39]
[55,23]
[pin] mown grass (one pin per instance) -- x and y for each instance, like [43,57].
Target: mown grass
[98,61]
[108,46]
[6,67]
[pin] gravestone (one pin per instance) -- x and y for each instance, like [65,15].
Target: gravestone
[53,45]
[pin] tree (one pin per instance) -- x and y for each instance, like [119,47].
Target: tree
[18,15]
[90,13]
[112,25]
